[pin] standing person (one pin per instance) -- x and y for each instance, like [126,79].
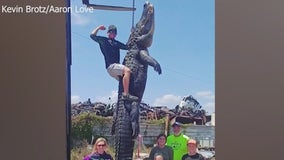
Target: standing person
[177,141]
[110,49]
[161,149]
[99,151]
[192,151]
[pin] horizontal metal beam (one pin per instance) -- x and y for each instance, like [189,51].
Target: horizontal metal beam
[107,7]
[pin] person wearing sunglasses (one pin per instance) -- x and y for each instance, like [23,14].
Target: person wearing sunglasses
[99,151]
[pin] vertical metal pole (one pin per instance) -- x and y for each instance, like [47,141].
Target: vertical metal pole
[139,142]
[133,4]
[68,81]
[167,124]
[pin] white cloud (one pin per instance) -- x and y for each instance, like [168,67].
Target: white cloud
[168,100]
[111,98]
[79,19]
[207,100]
[209,107]
[206,95]
[75,99]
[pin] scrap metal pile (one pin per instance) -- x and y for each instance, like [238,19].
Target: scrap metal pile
[188,107]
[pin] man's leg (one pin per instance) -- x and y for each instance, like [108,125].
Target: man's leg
[116,70]
[125,82]
[126,79]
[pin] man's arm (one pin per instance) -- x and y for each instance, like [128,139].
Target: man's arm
[151,155]
[171,153]
[122,46]
[95,31]
[94,34]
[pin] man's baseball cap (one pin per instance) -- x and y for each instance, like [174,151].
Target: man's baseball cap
[191,141]
[112,28]
[176,124]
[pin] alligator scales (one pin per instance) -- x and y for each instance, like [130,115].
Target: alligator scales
[126,120]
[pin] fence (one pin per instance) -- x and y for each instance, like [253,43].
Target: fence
[205,135]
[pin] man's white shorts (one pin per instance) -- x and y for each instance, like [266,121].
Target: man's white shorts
[115,70]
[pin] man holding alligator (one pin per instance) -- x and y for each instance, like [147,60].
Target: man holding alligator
[110,48]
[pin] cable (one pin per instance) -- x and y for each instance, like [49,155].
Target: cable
[80,35]
[164,68]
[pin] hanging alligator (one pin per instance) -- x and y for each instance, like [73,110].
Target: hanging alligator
[126,118]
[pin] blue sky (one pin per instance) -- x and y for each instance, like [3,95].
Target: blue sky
[183,44]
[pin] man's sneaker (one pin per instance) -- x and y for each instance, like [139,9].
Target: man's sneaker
[129,97]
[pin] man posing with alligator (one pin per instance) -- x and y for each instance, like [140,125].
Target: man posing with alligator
[110,48]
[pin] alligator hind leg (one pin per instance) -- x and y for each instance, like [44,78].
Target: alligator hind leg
[134,118]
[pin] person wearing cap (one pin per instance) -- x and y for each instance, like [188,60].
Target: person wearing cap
[110,49]
[161,149]
[177,141]
[192,151]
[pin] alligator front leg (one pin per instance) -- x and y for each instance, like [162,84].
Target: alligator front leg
[150,61]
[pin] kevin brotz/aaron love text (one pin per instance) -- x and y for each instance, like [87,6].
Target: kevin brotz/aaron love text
[44,9]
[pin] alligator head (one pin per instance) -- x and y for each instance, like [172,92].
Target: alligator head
[144,30]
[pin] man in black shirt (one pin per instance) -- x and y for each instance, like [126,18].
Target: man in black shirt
[110,48]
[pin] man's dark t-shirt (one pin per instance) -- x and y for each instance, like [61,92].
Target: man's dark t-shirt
[110,49]
[196,156]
